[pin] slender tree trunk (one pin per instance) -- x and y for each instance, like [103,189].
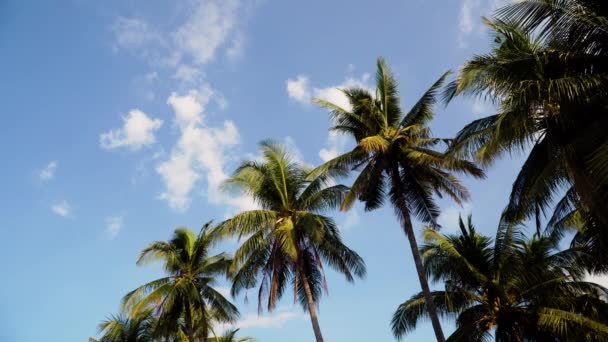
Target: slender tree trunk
[205,323]
[426,291]
[311,308]
[424,284]
[189,324]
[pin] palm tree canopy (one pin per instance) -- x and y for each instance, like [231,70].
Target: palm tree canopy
[392,146]
[122,328]
[510,287]
[230,336]
[548,74]
[288,239]
[187,290]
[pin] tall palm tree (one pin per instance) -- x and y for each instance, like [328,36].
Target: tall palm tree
[230,336]
[186,295]
[396,151]
[548,74]
[122,328]
[512,288]
[288,239]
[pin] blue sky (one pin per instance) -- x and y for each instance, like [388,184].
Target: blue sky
[122,117]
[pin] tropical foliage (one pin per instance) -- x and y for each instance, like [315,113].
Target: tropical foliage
[547,75]
[230,336]
[395,158]
[186,295]
[288,238]
[123,328]
[512,288]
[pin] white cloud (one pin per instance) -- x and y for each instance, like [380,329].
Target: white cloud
[336,144]
[448,219]
[469,20]
[48,172]
[270,320]
[601,279]
[298,89]
[114,225]
[208,28]
[137,131]
[179,178]
[200,151]
[465,20]
[62,208]
[335,95]
[189,108]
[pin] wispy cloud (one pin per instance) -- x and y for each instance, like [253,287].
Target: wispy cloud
[448,219]
[469,19]
[138,130]
[276,319]
[114,225]
[48,172]
[135,34]
[208,27]
[62,209]
[300,90]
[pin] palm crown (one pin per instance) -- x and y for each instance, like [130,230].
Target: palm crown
[515,288]
[122,328]
[186,294]
[289,238]
[547,72]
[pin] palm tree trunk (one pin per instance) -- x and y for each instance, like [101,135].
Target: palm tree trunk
[426,291]
[424,284]
[189,323]
[311,308]
[205,323]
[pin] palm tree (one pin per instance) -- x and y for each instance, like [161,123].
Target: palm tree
[512,288]
[230,336]
[548,74]
[186,295]
[396,150]
[571,216]
[288,239]
[122,328]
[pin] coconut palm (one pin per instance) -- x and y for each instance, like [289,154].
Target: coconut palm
[122,328]
[548,74]
[571,216]
[289,239]
[186,295]
[230,336]
[396,159]
[512,288]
